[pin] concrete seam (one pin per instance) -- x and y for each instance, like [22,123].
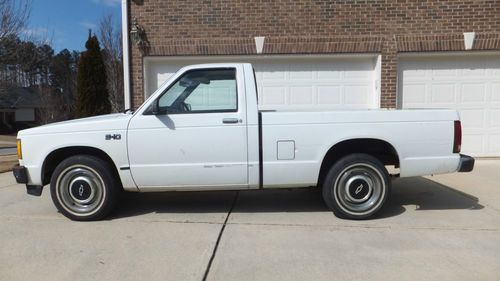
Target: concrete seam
[214,252]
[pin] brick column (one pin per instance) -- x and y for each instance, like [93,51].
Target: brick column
[136,77]
[389,73]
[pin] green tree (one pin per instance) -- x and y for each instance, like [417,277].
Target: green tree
[63,70]
[91,91]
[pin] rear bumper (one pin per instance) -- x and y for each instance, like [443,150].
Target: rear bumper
[21,175]
[466,163]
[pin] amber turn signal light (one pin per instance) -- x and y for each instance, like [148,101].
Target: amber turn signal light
[19,150]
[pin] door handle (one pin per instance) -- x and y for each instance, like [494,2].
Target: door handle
[230,120]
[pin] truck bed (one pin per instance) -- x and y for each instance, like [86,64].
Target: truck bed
[423,140]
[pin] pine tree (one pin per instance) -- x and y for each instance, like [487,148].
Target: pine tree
[91,94]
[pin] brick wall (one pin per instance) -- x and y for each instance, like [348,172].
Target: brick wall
[223,27]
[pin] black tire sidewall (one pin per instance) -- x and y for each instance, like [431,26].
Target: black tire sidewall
[329,192]
[104,171]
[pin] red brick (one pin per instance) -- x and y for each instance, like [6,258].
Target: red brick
[388,27]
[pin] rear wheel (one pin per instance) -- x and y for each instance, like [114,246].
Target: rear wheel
[83,187]
[356,187]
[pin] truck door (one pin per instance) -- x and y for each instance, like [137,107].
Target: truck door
[194,135]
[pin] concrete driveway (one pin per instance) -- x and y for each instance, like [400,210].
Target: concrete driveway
[437,228]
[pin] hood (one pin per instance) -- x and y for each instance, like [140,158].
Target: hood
[116,121]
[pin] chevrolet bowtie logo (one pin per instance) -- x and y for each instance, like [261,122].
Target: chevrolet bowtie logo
[358,189]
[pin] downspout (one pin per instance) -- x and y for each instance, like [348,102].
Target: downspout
[126,58]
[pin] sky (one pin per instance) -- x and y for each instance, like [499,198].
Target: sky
[65,24]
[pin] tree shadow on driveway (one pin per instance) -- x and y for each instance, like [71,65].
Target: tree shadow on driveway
[420,192]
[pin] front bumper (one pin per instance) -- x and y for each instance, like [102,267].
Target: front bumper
[21,175]
[466,163]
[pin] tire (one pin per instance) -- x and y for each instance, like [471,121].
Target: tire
[356,187]
[83,188]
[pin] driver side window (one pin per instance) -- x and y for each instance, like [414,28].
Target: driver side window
[202,91]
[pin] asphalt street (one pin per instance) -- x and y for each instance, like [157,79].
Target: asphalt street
[7,151]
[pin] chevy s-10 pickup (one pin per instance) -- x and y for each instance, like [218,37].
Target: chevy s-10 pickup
[203,130]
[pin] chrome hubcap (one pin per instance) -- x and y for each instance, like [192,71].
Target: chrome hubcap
[80,190]
[359,189]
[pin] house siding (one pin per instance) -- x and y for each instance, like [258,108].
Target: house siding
[228,27]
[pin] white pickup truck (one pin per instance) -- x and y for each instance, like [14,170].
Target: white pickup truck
[203,130]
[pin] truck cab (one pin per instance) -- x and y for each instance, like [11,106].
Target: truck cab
[205,130]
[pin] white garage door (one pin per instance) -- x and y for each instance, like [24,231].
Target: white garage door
[470,84]
[292,82]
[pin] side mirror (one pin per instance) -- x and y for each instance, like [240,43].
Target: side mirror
[156,110]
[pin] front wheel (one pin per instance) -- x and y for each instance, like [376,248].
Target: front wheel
[356,186]
[83,188]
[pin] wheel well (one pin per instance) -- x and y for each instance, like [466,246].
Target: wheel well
[379,149]
[57,156]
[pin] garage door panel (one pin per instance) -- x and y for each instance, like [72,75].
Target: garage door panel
[329,95]
[413,74]
[495,119]
[473,144]
[470,84]
[300,82]
[356,95]
[494,143]
[443,93]
[326,72]
[495,94]
[364,74]
[301,75]
[270,73]
[473,119]
[473,93]
[274,95]
[300,72]
[444,71]
[162,77]
[413,93]
[301,95]
[476,69]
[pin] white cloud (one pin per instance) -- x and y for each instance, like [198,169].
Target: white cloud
[107,2]
[40,35]
[88,25]
[35,32]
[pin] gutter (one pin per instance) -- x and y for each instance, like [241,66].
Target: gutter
[126,57]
